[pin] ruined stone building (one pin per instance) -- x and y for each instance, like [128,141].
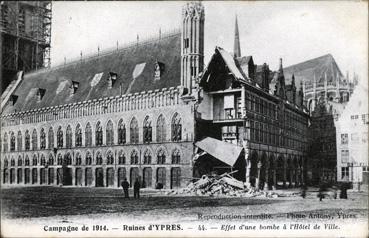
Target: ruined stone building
[151,110]
[253,111]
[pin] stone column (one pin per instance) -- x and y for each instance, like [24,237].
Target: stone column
[93,182]
[153,177]
[73,176]
[266,178]
[290,171]
[248,172]
[129,177]
[257,180]
[284,174]
[116,185]
[39,176]
[46,176]
[55,182]
[296,177]
[83,180]
[274,179]
[104,177]
[167,177]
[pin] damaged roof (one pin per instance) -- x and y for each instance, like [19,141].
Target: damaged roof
[230,62]
[134,66]
[223,151]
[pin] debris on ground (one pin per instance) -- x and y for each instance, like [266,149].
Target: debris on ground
[224,185]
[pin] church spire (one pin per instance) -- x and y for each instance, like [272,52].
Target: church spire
[236,46]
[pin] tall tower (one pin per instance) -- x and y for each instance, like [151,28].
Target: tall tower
[192,53]
[25,36]
[236,45]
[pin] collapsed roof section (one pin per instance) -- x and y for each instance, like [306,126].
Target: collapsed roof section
[222,72]
[223,151]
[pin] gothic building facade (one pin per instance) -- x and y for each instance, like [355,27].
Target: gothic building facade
[151,110]
[322,81]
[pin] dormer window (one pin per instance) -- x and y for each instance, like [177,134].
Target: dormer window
[13,99]
[40,94]
[74,87]
[111,79]
[159,70]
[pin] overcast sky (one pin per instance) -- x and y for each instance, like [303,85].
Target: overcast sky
[295,31]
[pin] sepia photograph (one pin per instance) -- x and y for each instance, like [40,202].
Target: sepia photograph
[184,119]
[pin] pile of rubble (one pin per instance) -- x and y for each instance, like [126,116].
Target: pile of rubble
[222,185]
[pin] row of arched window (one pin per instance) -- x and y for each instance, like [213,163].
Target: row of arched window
[67,159]
[176,135]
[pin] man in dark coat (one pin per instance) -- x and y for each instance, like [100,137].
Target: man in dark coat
[125,186]
[136,188]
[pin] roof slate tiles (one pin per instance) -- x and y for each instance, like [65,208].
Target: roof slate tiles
[122,62]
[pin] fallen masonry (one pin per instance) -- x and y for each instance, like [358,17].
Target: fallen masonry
[224,185]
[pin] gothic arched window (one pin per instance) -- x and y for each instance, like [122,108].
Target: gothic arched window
[88,158]
[34,160]
[59,137]
[160,129]
[78,159]
[51,138]
[20,161]
[134,131]
[12,141]
[5,142]
[68,137]
[26,161]
[176,156]
[176,128]
[134,157]
[109,133]
[147,157]
[99,160]
[42,139]
[110,158]
[68,159]
[60,159]
[51,160]
[121,158]
[88,135]
[12,162]
[161,157]
[99,134]
[27,140]
[121,132]
[43,160]
[147,130]
[34,140]
[78,136]
[19,141]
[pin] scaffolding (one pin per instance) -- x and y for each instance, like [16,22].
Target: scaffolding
[26,34]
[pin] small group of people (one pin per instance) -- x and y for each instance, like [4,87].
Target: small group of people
[136,188]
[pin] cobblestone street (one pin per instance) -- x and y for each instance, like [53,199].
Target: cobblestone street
[38,207]
[32,202]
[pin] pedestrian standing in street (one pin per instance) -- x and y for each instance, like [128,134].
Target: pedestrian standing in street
[125,186]
[343,194]
[136,188]
[322,189]
[303,191]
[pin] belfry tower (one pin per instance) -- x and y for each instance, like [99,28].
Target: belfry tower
[192,53]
